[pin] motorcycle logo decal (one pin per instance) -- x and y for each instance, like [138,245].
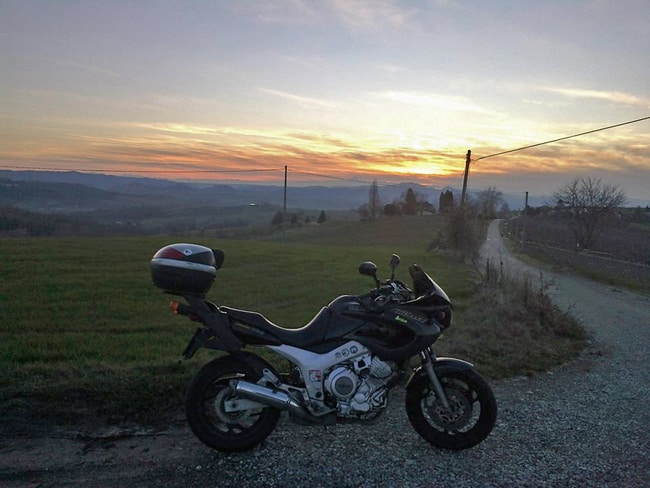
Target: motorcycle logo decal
[401,319]
[315,375]
[408,315]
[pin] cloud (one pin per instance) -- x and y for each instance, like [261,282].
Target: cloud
[373,15]
[304,102]
[421,99]
[285,12]
[611,96]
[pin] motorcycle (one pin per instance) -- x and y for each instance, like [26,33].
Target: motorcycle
[343,362]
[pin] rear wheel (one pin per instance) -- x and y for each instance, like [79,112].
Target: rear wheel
[472,409]
[206,412]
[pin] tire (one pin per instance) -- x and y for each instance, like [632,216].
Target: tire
[473,408]
[204,402]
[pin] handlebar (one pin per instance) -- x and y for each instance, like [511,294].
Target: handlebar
[391,291]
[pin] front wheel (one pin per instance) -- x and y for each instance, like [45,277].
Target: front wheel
[472,408]
[205,406]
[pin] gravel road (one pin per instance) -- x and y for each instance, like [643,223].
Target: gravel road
[582,424]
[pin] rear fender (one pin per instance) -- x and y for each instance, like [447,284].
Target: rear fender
[251,360]
[441,367]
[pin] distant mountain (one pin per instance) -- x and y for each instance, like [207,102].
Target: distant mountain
[39,195]
[71,190]
[116,189]
[137,191]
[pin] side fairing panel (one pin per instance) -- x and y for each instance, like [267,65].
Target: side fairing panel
[347,316]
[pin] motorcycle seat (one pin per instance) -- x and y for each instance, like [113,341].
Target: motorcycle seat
[311,333]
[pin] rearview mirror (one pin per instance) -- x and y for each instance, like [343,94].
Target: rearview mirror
[368,268]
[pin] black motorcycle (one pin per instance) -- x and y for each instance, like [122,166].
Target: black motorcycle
[343,362]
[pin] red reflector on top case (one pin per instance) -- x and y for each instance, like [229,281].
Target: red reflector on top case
[171,253]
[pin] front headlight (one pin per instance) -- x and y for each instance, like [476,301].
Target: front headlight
[443,317]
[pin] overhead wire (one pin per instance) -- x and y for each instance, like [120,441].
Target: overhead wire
[193,170]
[354,180]
[561,138]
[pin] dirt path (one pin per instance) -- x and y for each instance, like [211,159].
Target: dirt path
[584,424]
[617,318]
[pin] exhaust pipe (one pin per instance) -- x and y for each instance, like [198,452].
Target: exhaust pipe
[267,396]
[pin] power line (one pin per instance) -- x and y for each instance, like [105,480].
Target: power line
[193,170]
[182,171]
[257,170]
[562,138]
[355,180]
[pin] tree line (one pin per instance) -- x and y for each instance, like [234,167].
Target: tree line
[488,203]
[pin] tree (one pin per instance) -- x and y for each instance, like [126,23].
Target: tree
[488,200]
[321,217]
[374,205]
[446,202]
[391,210]
[422,204]
[363,212]
[278,218]
[426,206]
[588,202]
[460,233]
[410,205]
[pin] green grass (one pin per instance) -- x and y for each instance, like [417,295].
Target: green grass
[82,328]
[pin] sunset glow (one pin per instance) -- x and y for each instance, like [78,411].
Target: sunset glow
[355,91]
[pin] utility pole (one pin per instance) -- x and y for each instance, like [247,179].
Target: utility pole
[526,205]
[468,159]
[284,207]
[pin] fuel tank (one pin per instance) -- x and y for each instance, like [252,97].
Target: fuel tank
[392,332]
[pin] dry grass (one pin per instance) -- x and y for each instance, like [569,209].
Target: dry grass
[512,328]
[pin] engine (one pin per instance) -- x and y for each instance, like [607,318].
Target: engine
[359,388]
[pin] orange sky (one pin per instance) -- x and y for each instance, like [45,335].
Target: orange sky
[355,90]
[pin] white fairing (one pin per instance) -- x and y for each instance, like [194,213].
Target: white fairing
[348,377]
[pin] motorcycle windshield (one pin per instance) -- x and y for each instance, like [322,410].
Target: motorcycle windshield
[423,284]
[440,292]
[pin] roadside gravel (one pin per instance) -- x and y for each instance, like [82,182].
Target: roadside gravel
[582,424]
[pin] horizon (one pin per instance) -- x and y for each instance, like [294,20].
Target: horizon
[513,198]
[336,90]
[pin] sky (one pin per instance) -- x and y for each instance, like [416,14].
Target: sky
[339,91]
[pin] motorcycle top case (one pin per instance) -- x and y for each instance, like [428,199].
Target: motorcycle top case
[185,268]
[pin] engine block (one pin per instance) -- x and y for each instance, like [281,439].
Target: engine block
[360,386]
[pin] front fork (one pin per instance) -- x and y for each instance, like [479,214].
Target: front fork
[428,357]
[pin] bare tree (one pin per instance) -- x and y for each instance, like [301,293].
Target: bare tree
[589,202]
[488,200]
[422,203]
[374,205]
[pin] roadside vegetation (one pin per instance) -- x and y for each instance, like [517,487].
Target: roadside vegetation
[587,230]
[86,338]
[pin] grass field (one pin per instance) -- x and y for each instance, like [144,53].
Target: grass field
[84,332]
